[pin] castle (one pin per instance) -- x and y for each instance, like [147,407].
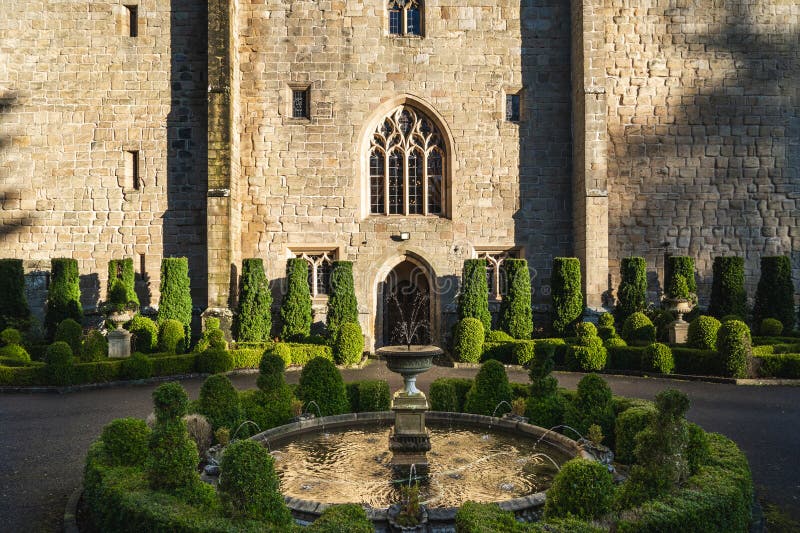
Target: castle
[403,135]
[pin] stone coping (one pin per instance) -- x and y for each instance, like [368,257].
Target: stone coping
[524,507]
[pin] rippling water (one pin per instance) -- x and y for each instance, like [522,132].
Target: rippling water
[353,467]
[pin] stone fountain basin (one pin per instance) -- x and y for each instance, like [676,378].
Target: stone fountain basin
[526,507]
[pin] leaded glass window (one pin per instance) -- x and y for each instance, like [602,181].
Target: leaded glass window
[320,265]
[405,17]
[410,179]
[300,103]
[495,273]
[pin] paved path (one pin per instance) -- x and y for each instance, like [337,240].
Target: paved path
[44,437]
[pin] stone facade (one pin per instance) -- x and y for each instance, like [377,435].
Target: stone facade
[643,122]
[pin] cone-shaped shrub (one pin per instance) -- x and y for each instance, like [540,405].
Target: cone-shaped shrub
[545,406]
[270,405]
[565,290]
[490,388]
[349,344]
[63,295]
[468,340]
[342,304]
[321,382]
[70,332]
[14,309]
[632,293]
[219,402]
[728,296]
[254,320]
[175,302]
[775,292]
[516,314]
[473,300]
[122,270]
[680,267]
[735,347]
[296,305]
[592,405]
[249,486]
[582,489]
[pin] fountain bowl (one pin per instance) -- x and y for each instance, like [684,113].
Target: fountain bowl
[409,362]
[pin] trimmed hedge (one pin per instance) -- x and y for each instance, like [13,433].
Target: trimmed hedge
[703,333]
[214,361]
[489,388]
[368,395]
[14,310]
[175,302]
[582,489]
[246,357]
[771,327]
[658,358]
[349,344]
[342,303]
[632,292]
[349,518]
[125,441]
[638,329]
[296,304]
[145,334]
[449,394]
[728,295]
[137,366]
[172,336]
[566,293]
[468,340]
[628,424]
[219,402]
[696,362]
[303,353]
[63,295]
[489,518]
[516,314]
[592,405]
[735,348]
[122,270]
[473,298]
[775,292]
[253,322]
[786,365]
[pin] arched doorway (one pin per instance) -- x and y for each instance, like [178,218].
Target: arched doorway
[404,302]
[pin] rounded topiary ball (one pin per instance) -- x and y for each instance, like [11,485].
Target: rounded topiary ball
[171,336]
[638,329]
[321,382]
[138,366]
[605,320]
[468,340]
[585,329]
[16,352]
[170,401]
[498,335]
[735,346]
[10,336]
[59,354]
[219,402]
[70,331]
[703,332]
[771,327]
[125,441]
[582,489]
[658,358]
[614,342]
[349,345]
[145,334]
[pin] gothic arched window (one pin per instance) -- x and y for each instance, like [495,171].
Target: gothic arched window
[405,17]
[406,165]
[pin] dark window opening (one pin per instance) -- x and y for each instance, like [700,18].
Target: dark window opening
[300,103]
[512,108]
[133,21]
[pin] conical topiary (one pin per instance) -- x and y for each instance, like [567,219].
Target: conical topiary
[516,314]
[63,295]
[342,304]
[632,293]
[473,299]
[565,291]
[296,305]
[728,295]
[175,302]
[254,320]
[775,292]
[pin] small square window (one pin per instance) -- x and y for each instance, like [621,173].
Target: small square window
[133,21]
[300,103]
[512,108]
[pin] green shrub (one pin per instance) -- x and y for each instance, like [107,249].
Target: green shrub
[214,362]
[253,322]
[605,320]
[270,373]
[566,293]
[497,335]
[728,295]
[342,304]
[592,405]
[629,424]
[219,402]
[349,518]
[213,338]
[138,366]
[545,406]
[15,352]
[125,441]
[771,327]
[321,382]
[144,334]
[296,305]
[94,347]
[490,388]
[59,361]
[581,489]
[449,394]
[468,340]
[170,365]
[775,292]
[249,486]
[173,459]
[658,358]
[516,314]
[14,309]
[373,395]
[121,270]
[10,335]
[703,333]
[524,352]
[175,302]
[610,343]
[70,332]
[246,357]
[679,276]
[284,351]
[638,330]
[170,402]
[588,353]
[625,357]
[735,348]
[171,337]
[698,450]
[697,362]
[63,295]
[632,293]
[302,353]
[349,345]
[271,404]
[585,329]
[473,299]
[780,366]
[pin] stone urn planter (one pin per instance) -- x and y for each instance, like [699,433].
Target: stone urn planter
[119,339]
[679,330]
[409,362]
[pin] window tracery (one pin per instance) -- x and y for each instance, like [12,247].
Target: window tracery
[320,265]
[495,273]
[405,17]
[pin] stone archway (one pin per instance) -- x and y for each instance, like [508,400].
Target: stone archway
[404,293]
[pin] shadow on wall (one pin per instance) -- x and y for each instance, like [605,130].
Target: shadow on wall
[704,129]
[14,217]
[184,223]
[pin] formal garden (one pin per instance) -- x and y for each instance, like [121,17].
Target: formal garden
[204,464]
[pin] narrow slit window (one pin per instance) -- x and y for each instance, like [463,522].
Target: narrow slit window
[133,20]
[512,108]
[132,177]
[300,103]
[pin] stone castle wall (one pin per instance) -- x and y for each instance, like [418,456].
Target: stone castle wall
[704,132]
[75,94]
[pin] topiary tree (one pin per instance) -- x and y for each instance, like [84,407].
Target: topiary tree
[253,322]
[125,441]
[349,344]
[282,350]
[516,315]
[121,270]
[632,292]
[770,327]
[545,406]
[144,334]
[489,389]
[581,489]
[703,333]
[605,326]
[468,340]
[630,423]
[728,296]
[473,299]
[566,293]
[249,486]
[658,358]
[175,302]
[94,347]
[63,295]
[296,305]
[70,332]
[171,337]
[342,304]
[219,402]
[639,330]
[60,362]
[137,366]
[588,354]
[10,336]
[14,310]
[16,352]
[679,276]
[775,292]
[271,404]
[321,382]
[173,459]
[735,348]
[592,405]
